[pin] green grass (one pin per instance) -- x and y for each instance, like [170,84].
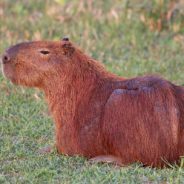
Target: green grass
[104,31]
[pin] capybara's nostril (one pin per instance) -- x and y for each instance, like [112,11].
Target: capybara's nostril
[5,58]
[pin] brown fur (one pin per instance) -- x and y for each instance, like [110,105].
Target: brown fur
[97,113]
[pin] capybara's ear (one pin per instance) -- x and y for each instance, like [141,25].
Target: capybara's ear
[65,38]
[67,47]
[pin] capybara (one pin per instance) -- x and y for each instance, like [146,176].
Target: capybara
[97,114]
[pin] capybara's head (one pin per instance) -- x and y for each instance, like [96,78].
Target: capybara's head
[32,63]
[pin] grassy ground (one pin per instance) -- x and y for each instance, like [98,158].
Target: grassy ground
[111,33]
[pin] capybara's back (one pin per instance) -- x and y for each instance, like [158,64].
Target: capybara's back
[98,114]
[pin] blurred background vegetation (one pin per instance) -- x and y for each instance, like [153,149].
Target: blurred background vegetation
[131,37]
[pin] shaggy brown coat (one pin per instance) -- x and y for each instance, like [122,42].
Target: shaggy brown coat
[98,114]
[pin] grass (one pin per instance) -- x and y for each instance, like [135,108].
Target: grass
[110,33]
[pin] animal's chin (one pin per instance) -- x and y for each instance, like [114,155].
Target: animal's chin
[12,79]
[9,74]
[18,78]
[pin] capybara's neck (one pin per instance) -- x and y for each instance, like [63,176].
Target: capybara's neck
[67,89]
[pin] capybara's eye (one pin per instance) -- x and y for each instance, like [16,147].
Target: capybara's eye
[45,52]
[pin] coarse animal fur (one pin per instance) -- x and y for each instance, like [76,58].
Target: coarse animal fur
[98,114]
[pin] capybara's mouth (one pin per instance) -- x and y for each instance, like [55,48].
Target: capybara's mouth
[8,72]
[8,67]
